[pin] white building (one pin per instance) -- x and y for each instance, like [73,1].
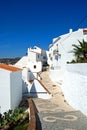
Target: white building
[60,51]
[34,60]
[34,54]
[10,87]
[32,64]
[72,78]
[37,54]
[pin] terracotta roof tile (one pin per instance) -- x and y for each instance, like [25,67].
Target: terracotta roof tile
[85,30]
[9,68]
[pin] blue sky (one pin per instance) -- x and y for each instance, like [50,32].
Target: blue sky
[25,23]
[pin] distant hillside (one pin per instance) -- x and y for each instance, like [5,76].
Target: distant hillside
[9,60]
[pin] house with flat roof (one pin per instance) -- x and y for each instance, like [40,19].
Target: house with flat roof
[60,51]
[35,59]
[32,64]
[10,87]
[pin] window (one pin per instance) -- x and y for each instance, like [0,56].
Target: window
[44,57]
[34,66]
[56,57]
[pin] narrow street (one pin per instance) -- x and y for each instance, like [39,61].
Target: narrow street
[56,113]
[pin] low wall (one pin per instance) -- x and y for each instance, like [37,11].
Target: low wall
[39,90]
[56,75]
[74,86]
[32,121]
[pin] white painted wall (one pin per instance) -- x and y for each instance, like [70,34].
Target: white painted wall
[80,68]
[35,49]
[16,88]
[27,75]
[4,91]
[56,75]
[32,65]
[37,54]
[10,89]
[64,43]
[30,73]
[24,74]
[65,46]
[74,86]
[37,90]
[22,62]
[34,56]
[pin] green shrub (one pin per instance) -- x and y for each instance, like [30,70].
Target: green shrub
[11,116]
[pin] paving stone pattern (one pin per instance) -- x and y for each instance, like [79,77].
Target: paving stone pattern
[56,113]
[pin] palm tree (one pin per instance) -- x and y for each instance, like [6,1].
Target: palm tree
[80,51]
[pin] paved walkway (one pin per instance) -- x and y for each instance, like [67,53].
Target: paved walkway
[55,113]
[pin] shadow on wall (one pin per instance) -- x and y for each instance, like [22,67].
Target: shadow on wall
[33,91]
[30,76]
[24,87]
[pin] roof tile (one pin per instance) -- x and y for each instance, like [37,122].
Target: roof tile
[9,67]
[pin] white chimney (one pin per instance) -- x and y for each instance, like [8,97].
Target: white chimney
[70,30]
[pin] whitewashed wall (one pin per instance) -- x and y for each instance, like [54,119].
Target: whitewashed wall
[15,88]
[22,62]
[34,54]
[35,49]
[4,90]
[37,90]
[10,89]
[27,75]
[75,86]
[64,45]
[37,64]
[56,75]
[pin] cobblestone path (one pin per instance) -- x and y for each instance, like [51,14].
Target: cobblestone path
[56,113]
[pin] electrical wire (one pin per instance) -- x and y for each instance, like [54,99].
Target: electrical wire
[77,26]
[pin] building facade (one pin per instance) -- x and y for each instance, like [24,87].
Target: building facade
[10,88]
[60,50]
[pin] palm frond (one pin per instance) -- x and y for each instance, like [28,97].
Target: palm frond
[80,50]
